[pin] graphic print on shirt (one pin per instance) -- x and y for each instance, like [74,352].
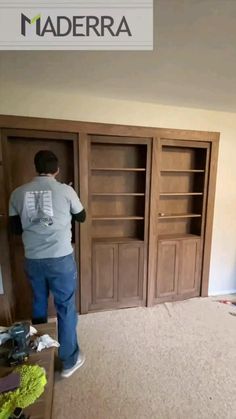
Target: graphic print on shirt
[39,209]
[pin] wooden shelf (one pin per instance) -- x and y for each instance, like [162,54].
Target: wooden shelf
[168,216]
[118,217]
[180,193]
[177,236]
[182,171]
[117,194]
[120,169]
[117,239]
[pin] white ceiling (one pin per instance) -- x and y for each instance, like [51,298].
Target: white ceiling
[193,64]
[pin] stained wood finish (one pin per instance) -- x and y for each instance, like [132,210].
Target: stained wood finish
[167,270]
[60,125]
[119,209]
[117,275]
[190,267]
[131,272]
[181,175]
[186,178]
[105,274]
[153,220]
[16,142]
[178,269]
[210,200]
[7,298]
[85,228]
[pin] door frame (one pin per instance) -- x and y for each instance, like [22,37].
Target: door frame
[39,134]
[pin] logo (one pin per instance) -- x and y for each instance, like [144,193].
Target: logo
[76,26]
[24,20]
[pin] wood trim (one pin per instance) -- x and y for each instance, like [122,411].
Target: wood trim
[205,190]
[85,228]
[153,222]
[182,143]
[209,217]
[147,218]
[8,299]
[22,122]
[105,139]
[77,226]
[40,134]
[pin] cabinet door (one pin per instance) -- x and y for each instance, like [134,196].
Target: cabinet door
[104,275]
[167,270]
[189,272]
[131,273]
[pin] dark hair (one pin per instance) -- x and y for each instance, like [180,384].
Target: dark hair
[46,162]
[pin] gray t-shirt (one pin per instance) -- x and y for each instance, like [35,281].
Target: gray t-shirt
[45,207]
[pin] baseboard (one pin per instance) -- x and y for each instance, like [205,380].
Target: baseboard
[224,292]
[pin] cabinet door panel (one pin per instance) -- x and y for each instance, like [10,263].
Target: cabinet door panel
[131,271]
[167,269]
[189,275]
[104,273]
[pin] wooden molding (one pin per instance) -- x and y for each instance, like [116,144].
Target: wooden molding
[22,122]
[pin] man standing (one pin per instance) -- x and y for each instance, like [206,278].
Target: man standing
[41,211]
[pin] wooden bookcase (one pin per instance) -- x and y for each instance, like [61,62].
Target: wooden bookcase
[119,188]
[149,198]
[182,194]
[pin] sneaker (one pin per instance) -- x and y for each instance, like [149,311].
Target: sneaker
[68,372]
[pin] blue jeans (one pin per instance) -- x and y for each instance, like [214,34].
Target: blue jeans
[58,275]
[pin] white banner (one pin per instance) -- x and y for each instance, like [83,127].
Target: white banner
[107,25]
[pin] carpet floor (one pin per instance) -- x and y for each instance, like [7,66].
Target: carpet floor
[172,361]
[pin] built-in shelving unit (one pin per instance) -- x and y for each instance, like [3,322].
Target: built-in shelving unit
[117,192]
[148,195]
[182,189]
[181,219]
[118,197]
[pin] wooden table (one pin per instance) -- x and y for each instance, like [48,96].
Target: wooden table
[42,408]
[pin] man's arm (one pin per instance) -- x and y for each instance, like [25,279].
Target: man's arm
[76,208]
[15,225]
[80,216]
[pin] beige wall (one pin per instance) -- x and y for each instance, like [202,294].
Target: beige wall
[32,101]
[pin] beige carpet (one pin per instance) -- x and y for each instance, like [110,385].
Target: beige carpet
[173,361]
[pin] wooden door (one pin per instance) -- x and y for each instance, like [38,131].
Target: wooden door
[189,272]
[131,273]
[168,256]
[117,186]
[20,147]
[6,297]
[104,275]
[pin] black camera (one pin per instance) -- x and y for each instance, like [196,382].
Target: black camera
[18,414]
[20,336]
